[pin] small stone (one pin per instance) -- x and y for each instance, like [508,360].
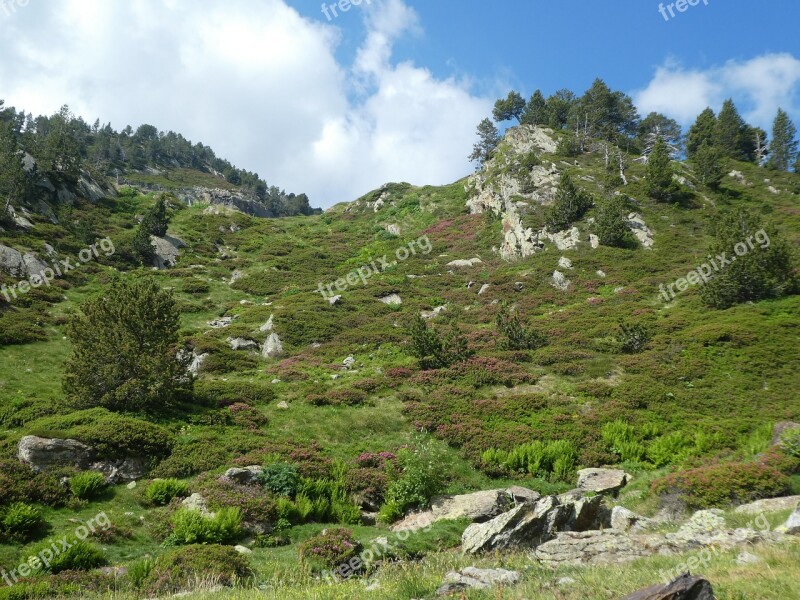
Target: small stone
[565,581]
[484,289]
[565,263]
[243,550]
[131,485]
[282,405]
[334,300]
[745,558]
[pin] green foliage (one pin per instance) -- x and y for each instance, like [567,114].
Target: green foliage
[191,458]
[330,549]
[19,483]
[762,262]
[280,478]
[660,184]
[536,110]
[610,223]
[87,485]
[703,131]
[80,556]
[515,335]
[790,442]
[139,571]
[783,147]
[124,350]
[709,165]
[112,435]
[485,147]
[732,135]
[555,460]
[211,392]
[19,522]
[511,107]
[431,350]
[193,527]
[174,571]
[422,476]
[633,337]
[622,439]
[568,146]
[161,491]
[570,204]
[719,485]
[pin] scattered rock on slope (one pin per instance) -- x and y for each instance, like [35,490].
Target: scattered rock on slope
[685,587]
[477,579]
[602,481]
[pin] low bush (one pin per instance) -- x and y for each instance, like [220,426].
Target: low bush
[339,397]
[192,458]
[80,556]
[280,478]
[20,483]
[247,416]
[19,522]
[178,570]
[193,527]
[161,491]
[421,477]
[210,392]
[330,549]
[256,506]
[87,485]
[722,484]
[195,286]
[554,460]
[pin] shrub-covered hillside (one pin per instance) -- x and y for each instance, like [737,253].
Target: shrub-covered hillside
[293,387]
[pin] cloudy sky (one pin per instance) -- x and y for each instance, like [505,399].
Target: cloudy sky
[391,90]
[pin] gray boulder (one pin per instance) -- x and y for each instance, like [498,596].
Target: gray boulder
[476,579]
[477,507]
[19,265]
[166,251]
[602,481]
[684,587]
[780,429]
[529,525]
[273,347]
[792,525]
[626,520]
[42,454]
[242,344]
[245,476]
[769,505]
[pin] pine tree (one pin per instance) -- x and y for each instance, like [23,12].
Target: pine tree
[488,139]
[783,148]
[515,335]
[570,204]
[509,108]
[156,221]
[610,223]
[558,108]
[124,350]
[536,110]
[763,268]
[660,185]
[709,164]
[735,138]
[656,125]
[703,130]
[13,179]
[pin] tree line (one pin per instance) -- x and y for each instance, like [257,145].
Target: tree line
[63,144]
[602,115]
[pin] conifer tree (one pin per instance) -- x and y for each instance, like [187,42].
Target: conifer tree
[783,148]
[536,110]
[703,130]
[660,184]
[709,164]
[488,139]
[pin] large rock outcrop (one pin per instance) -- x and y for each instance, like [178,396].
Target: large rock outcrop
[42,454]
[529,525]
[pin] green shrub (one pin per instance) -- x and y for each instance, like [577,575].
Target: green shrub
[192,458]
[422,476]
[193,527]
[621,438]
[112,435]
[180,569]
[19,522]
[80,556]
[633,338]
[515,335]
[790,442]
[767,270]
[670,449]
[330,549]
[570,204]
[87,485]
[210,392]
[20,483]
[280,478]
[161,491]
[433,351]
[124,350]
[610,223]
[721,484]
[139,571]
[195,286]
[555,460]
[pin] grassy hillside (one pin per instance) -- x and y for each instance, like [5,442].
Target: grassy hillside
[705,389]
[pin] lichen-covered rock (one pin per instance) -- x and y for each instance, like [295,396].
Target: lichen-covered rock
[602,481]
[477,579]
[685,587]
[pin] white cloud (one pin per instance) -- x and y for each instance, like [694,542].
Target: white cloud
[257,82]
[758,86]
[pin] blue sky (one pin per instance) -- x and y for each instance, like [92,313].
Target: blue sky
[387,91]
